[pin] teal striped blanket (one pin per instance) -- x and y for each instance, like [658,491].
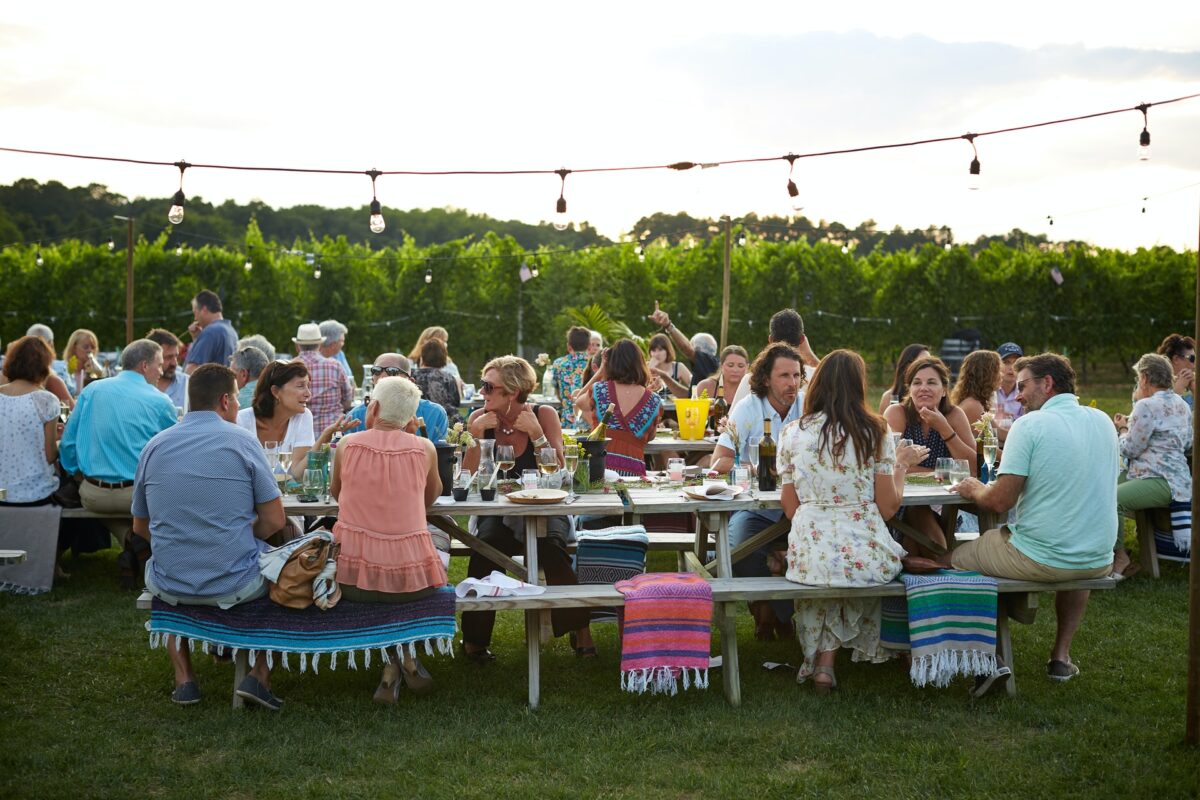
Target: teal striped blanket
[948,620]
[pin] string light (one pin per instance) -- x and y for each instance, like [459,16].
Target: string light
[428,272]
[973,174]
[179,250]
[249,265]
[38,259]
[376,222]
[534,270]
[741,240]
[1144,199]
[111,245]
[317,272]
[792,190]
[1050,219]
[175,215]
[1144,139]
[561,222]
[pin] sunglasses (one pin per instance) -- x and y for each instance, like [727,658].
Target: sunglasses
[391,371]
[1192,358]
[1021,384]
[487,387]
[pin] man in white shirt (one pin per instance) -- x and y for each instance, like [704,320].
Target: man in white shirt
[775,394]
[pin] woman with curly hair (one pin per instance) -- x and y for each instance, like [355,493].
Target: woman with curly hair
[978,379]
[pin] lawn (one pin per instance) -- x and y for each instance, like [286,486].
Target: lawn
[84,713]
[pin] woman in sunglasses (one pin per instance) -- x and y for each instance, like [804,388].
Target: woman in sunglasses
[507,418]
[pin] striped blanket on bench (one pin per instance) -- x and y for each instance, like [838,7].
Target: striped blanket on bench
[346,630]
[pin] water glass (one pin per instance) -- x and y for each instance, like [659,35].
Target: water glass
[314,482]
[468,392]
[583,472]
[675,471]
[741,478]
[529,479]
[961,470]
[941,470]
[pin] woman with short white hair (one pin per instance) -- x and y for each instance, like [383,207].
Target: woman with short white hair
[384,479]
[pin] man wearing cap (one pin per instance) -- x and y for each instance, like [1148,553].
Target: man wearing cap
[391,365]
[332,391]
[1007,406]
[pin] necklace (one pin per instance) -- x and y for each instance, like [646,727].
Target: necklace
[504,425]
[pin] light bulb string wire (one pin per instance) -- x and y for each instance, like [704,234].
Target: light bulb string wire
[678,166]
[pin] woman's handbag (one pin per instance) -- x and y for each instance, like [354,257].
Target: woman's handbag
[294,587]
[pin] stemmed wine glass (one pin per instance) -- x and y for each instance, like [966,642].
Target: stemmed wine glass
[506,457]
[547,463]
[571,461]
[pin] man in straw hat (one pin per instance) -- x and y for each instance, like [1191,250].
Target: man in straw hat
[332,391]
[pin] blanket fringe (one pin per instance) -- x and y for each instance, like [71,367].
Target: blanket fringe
[443,645]
[663,680]
[941,668]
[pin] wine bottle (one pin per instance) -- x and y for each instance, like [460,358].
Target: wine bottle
[720,410]
[766,460]
[598,433]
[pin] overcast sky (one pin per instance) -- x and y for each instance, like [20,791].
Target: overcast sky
[548,85]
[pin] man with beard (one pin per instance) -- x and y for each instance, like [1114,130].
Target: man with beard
[173,382]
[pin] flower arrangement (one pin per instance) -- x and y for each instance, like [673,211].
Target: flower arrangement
[460,436]
[983,426]
[727,425]
[542,359]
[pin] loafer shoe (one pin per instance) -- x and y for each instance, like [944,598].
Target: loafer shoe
[480,657]
[997,679]
[416,677]
[1061,671]
[251,689]
[186,694]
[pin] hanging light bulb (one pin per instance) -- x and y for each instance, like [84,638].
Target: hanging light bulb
[793,190]
[1144,199]
[249,265]
[534,270]
[111,245]
[845,249]
[561,222]
[1144,138]
[376,222]
[428,275]
[39,260]
[973,173]
[742,239]
[1050,219]
[179,250]
[175,215]
[317,273]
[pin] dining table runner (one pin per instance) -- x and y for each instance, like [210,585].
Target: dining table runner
[948,620]
[345,630]
[666,629]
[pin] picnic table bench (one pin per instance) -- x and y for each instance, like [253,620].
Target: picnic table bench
[1018,601]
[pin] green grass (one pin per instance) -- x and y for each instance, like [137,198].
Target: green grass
[84,713]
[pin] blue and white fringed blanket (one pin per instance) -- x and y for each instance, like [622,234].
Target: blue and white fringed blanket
[344,630]
[948,620]
[1176,544]
[609,555]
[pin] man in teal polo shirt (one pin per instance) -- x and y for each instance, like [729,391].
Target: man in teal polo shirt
[1060,472]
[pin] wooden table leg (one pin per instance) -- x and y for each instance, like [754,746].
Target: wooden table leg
[724,560]
[727,624]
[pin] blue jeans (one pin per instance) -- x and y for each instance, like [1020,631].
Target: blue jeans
[745,525]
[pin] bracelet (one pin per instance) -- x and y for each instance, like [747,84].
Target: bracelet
[950,438]
[541,441]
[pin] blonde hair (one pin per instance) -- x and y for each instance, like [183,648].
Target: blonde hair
[516,376]
[397,398]
[74,340]
[432,332]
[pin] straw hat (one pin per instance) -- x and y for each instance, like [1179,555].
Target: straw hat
[308,333]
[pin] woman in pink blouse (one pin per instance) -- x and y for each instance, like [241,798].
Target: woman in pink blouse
[1154,439]
[384,479]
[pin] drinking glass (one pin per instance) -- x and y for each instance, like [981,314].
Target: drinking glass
[547,464]
[741,478]
[941,470]
[314,482]
[961,470]
[752,456]
[505,457]
[64,412]
[571,461]
[529,479]
[675,471]
[468,392]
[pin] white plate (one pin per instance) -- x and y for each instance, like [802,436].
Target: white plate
[537,496]
[697,493]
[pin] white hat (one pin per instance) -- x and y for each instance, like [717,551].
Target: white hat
[308,333]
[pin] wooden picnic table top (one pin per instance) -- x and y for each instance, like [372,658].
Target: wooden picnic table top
[666,444]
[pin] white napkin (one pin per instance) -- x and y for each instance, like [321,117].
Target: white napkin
[715,491]
[497,585]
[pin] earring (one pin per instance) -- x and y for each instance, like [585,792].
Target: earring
[508,410]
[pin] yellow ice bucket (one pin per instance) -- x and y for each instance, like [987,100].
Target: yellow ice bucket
[692,415]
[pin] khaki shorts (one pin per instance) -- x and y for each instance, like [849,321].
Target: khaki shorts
[992,554]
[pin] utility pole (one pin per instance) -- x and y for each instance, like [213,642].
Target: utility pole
[725,281]
[128,278]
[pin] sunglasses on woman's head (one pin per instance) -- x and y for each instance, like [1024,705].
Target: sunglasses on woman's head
[391,371]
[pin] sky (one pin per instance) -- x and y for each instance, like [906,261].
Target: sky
[547,85]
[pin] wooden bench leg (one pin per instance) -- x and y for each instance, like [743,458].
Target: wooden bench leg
[241,665]
[1004,646]
[727,624]
[533,648]
[1145,534]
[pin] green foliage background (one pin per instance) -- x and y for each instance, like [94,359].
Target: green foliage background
[1111,307]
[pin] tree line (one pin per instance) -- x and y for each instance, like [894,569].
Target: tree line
[1111,306]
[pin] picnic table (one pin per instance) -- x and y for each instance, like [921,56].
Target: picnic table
[669,444]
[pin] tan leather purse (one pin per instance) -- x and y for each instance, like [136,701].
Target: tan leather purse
[294,588]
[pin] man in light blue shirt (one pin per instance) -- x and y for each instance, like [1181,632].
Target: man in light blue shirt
[775,380]
[1059,470]
[389,365]
[104,436]
[205,497]
[173,382]
[213,337]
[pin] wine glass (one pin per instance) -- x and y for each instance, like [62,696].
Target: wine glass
[506,458]
[752,454]
[547,462]
[285,459]
[64,412]
[314,482]
[571,461]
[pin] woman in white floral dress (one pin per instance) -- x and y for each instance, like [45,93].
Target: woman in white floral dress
[841,477]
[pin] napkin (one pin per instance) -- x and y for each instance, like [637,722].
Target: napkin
[496,585]
[714,491]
